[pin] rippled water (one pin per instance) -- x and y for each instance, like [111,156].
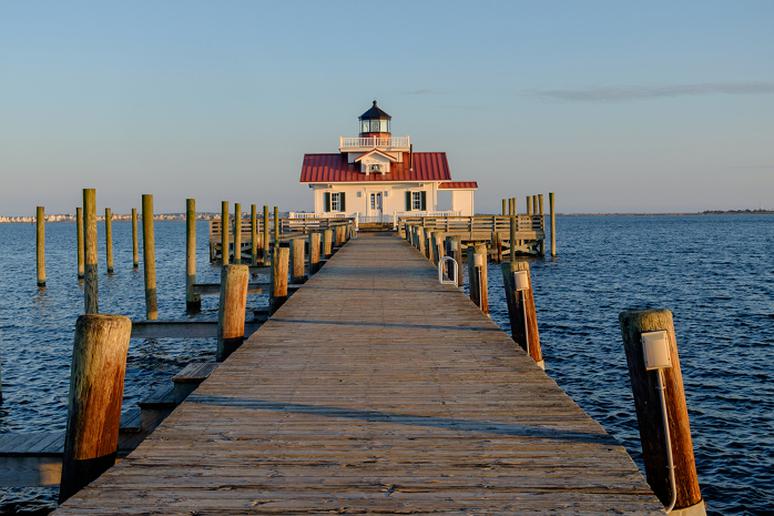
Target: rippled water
[716,273]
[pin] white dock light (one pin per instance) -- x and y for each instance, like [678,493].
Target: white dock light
[478,260]
[521,281]
[655,350]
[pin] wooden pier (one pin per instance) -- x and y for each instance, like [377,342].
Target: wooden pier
[374,389]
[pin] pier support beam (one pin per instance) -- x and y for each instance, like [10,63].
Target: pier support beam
[96,392]
[193,302]
[90,286]
[149,258]
[657,393]
[234,281]
[522,314]
[40,244]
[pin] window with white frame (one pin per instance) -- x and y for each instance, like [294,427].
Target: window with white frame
[375,167]
[416,201]
[336,201]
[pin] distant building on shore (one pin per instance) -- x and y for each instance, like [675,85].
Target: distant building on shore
[377,176]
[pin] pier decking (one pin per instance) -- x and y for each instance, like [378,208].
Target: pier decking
[374,389]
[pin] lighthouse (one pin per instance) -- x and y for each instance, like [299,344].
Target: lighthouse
[378,177]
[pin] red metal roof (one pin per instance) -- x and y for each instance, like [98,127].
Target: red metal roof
[333,168]
[451,185]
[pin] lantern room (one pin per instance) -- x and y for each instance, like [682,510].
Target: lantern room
[374,123]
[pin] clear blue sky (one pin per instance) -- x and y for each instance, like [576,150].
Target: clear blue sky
[616,106]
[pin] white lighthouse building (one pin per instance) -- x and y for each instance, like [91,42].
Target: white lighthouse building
[377,176]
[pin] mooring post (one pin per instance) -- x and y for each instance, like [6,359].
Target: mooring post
[279,277]
[94,406]
[90,284]
[266,242]
[149,258]
[135,242]
[253,235]
[193,302]
[429,239]
[512,206]
[440,248]
[529,204]
[513,230]
[328,243]
[520,299]
[472,274]
[234,281]
[535,204]
[477,276]
[40,244]
[657,385]
[109,240]
[277,228]
[298,273]
[237,233]
[225,240]
[504,206]
[314,252]
[552,210]
[79,239]
[455,251]
[421,240]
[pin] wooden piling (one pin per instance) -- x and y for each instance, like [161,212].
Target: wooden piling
[234,280]
[253,235]
[429,240]
[135,241]
[297,251]
[266,242]
[94,407]
[328,243]
[512,231]
[552,211]
[314,252]
[277,228]
[647,402]
[279,277]
[512,206]
[109,240]
[529,205]
[534,204]
[149,258]
[79,239]
[421,240]
[455,251]
[477,276]
[237,233]
[90,284]
[521,310]
[193,302]
[225,240]
[40,244]
[504,207]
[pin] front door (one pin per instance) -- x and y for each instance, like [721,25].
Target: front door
[376,206]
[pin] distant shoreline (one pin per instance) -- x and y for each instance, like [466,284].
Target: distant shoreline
[67,217]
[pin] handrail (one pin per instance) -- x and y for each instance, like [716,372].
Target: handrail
[441,267]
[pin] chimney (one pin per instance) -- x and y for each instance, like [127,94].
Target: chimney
[411,157]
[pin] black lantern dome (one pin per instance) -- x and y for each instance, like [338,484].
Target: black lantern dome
[374,122]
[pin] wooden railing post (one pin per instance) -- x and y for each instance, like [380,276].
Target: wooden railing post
[328,243]
[279,277]
[225,241]
[149,258]
[520,299]
[504,207]
[657,393]
[94,406]
[231,310]
[79,239]
[135,241]
[109,240]
[297,251]
[552,210]
[90,284]
[314,252]
[477,276]
[193,301]
[40,244]
[237,233]
[429,241]
[455,251]
[421,240]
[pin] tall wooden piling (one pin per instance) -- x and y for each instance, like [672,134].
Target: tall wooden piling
[193,302]
[266,241]
[504,207]
[421,240]
[328,243]
[237,233]
[520,299]
[528,209]
[279,277]
[149,258]
[314,252]
[455,251]
[277,228]
[109,240]
[429,240]
[40,244]
[512,232]
[477,276]
[225,239]
[135,241]
[90,284]
[646,387]
[552,212]
[534,204]
[253,235]
[512,206]
[298,271]
[94,406]
[79,239]
[234,281]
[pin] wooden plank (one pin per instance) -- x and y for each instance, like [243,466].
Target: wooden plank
[375,389]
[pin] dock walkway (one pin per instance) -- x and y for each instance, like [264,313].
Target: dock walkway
[374,389]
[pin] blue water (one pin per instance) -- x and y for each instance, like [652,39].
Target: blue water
[716,273]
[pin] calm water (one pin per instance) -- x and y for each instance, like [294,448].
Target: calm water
[715,272]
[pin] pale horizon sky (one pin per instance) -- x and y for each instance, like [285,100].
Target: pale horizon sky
[615,106]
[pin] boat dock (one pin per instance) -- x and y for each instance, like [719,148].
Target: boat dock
[374,388]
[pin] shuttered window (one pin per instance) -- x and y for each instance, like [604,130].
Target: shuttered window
[335,201]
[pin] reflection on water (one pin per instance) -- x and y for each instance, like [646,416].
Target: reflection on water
[714,272]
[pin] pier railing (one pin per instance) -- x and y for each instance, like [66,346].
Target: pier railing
[484,224]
